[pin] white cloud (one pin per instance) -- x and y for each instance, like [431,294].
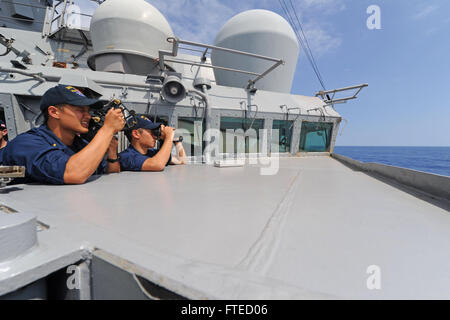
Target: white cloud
[195,20]
[201,20]
[325,6]
[320,41]
[425,12]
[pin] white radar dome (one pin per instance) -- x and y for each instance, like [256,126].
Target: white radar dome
[127,36]
[260,32]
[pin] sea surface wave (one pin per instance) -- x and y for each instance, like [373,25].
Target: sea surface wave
[427,159]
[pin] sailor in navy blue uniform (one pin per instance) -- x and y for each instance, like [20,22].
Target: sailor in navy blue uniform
[55,153]
[141,155]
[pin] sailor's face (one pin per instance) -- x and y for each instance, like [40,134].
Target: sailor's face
[3,133]
[75,118]
[147,138]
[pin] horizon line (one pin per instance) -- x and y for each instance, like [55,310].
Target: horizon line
[393,146]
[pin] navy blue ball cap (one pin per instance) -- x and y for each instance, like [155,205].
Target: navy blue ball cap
[62,94]
[143,122]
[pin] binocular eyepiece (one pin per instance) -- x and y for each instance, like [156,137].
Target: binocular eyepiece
[157,133]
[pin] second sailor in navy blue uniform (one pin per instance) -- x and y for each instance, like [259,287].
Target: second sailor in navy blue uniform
[141,155]
[54,153]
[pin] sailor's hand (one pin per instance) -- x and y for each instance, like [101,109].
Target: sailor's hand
[167,132]
[114,120]
[112,149]
[163,134]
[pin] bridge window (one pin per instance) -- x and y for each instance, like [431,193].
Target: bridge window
[192,129]
[315,137]
[284,128]
[240,135]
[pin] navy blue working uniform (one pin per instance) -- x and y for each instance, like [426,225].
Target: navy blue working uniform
[44,155]
[2,128]
[1,156]
[132,160]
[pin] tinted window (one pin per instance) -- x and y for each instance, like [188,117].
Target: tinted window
[315,136]
[196,129]
[244,135]
[284,128]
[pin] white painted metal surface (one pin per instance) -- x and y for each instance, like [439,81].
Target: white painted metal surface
[310,231]
[17,233]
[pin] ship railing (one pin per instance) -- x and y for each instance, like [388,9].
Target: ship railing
[176,45]
[328,96]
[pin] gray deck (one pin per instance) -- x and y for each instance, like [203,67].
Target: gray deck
[310,231]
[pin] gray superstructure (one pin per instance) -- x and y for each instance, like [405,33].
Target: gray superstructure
[312,227]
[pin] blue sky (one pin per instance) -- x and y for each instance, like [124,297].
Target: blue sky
[406,63]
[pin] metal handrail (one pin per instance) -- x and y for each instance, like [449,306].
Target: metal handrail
[211,66]
[251,82]
[37,75]
[331,101]
[197,44]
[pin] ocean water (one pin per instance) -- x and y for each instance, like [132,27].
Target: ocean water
[428,159]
